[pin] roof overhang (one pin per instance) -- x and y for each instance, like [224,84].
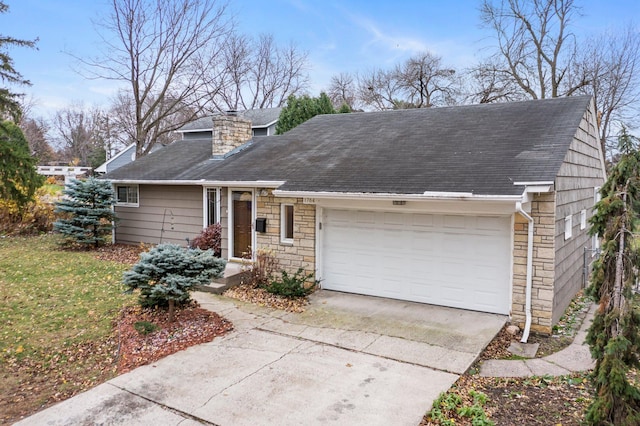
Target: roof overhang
[448,196]
[531,188]
[262,126]
[194,130]
[202,182]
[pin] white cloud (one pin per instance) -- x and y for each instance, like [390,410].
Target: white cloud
[399,45]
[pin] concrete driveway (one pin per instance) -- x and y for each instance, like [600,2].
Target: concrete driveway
[347,360]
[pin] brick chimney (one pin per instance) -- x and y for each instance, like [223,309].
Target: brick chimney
[230,130]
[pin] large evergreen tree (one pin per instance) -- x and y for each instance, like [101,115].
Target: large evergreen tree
[299,110]
[9,101]
[87,212]
[168,272]
[19,178]
[613,337]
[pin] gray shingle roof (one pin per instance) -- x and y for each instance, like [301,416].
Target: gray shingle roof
[479,149]
[259,118]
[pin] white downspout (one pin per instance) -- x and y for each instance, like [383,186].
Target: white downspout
[527,309]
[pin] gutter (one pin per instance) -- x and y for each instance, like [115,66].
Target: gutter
[392,196]
[203,182]
[527,324]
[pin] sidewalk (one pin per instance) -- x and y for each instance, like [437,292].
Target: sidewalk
[574,358]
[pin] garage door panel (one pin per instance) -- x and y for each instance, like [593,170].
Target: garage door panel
[454,222]
[452,260]
[423,221]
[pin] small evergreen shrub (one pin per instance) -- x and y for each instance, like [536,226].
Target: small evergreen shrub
[292,286]
[209,239]
[167,273]
[86,211]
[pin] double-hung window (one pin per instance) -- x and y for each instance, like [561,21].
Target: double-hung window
[127,195]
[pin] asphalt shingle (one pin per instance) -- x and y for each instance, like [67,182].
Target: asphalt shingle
[479,149]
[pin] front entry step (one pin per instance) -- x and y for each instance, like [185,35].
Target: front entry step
[234,274]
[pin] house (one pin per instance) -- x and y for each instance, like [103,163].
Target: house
[481,207]
[263,123]
[123,157]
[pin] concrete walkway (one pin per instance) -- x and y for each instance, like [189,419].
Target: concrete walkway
[574,358]
[346,360]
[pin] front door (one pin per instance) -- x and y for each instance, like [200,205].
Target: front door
[242,216]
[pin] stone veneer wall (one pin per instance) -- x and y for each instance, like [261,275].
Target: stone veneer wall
[229,132]
[302,253]
[542,212]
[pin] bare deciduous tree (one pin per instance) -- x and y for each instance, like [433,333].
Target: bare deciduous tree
[612,62]
[119,125]
[487,83]
[342,91]
[35,131]
[540,56]
[420,82]
[152,46]
[75,131]
[379,89]
[426,82]
[536,49]
[255,73]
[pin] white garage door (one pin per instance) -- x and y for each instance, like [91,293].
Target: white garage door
[449,260]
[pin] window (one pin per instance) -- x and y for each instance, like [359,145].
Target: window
[583,219]
[286,223]
[127,195]
[567,227]
[212,214]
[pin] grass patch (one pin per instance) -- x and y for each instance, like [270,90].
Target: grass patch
[56,321]
[53,189]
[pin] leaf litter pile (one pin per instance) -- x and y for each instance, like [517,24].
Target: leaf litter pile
[192,326]
[524,401]
[261,297]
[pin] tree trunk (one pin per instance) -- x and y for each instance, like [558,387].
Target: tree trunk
[172,308]
[618,284]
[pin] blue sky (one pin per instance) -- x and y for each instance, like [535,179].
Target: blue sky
[340,36]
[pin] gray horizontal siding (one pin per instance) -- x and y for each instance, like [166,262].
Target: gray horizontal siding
[167,214]
[579,174]
[123,159]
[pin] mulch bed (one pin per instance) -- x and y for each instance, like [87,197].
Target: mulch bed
[261,297]
[192,326]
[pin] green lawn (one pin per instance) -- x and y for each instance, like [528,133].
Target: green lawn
[57,314]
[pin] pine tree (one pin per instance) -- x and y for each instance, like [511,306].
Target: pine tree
[87,210]
[167,273]
[9,100]
[613,337]
[19,178]
[299,110]
[344,109]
